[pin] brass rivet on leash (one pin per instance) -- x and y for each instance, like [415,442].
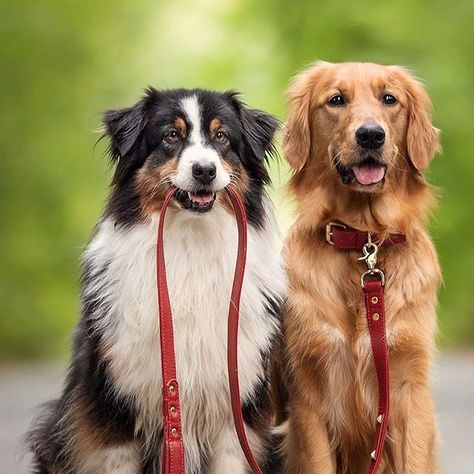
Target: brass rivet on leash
[173,410]
[379,419]
[374,300]
[172,388]
[376,316]
[174,431]
[372,454]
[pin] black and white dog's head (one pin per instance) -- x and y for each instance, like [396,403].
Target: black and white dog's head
[198,141]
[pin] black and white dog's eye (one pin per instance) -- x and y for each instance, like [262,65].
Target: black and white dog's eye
[221,136]
[389,99]
[337,100]
[172,136]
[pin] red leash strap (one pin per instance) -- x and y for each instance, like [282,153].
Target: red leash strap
[173,445]
[375,308]
[372,282]
[233,330]
[375,311]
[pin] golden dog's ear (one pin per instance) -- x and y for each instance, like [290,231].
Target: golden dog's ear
[422,136]
[297,133]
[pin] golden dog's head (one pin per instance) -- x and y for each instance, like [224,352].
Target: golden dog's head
[360,125]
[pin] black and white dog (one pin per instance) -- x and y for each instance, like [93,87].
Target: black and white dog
[108,419]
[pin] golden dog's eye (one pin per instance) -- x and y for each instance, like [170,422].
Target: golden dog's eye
[388,99]
[337,100]
[221,136]
[172,136]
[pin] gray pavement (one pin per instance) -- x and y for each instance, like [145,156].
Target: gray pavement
[22,388]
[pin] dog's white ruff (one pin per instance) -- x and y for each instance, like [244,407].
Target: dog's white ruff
[200,255]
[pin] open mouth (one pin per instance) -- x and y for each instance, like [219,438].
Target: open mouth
[199,201]
[366,173]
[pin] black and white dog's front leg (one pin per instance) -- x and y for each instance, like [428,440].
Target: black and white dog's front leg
[227,455]
[122,459]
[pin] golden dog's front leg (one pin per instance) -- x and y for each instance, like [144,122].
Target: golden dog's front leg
[307,447]
[414,433]
[412,428]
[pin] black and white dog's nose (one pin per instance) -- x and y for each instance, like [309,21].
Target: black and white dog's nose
[205,173]
[370,136]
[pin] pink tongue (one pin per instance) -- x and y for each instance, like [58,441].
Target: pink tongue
[369,174]
[202,198]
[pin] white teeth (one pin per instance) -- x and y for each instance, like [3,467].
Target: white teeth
[201,199]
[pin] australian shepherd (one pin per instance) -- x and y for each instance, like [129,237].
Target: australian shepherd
[109,416]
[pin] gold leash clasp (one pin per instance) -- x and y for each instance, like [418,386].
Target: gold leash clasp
[370,254]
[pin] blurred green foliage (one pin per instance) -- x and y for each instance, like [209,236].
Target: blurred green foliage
[64,61]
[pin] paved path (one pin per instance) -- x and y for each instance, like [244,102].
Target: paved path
[23,388]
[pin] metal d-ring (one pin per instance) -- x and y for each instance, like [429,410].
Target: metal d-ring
[372,272]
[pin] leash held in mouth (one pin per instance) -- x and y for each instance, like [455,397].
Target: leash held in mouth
[173,444]
[233,330]
[173,461]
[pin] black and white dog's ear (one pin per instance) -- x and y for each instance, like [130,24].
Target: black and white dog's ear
[125,130]
[123,127]
[259,128]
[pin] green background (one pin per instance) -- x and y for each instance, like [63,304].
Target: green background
[62,62]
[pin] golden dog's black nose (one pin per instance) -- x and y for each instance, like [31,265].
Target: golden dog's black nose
[370,136]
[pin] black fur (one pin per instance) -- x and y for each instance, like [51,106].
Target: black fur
[89,388]
[136,139]
[136,135]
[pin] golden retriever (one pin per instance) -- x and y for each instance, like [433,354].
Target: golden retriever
[359,137]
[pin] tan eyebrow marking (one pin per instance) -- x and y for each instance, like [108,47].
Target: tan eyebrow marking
[215,125]
[180,125]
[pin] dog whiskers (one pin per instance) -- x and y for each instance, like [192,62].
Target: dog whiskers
[157,188]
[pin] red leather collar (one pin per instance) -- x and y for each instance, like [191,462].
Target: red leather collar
[173,461]
[344,237]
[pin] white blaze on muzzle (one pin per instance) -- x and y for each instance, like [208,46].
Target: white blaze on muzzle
[198,152]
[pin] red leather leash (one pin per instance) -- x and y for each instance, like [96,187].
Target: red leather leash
[233,330]
[375,309]
[173,444]
[372,282]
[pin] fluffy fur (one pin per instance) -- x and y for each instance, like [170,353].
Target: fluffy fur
[109,418]
[330,376]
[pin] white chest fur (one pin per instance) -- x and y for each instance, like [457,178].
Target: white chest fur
[200,255]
